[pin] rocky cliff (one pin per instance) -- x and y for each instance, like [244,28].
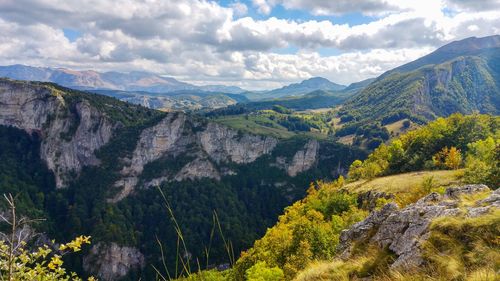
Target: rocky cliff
[71,133]
[111,261]
[210,145]
[303,160]
[135,148]
[403,231]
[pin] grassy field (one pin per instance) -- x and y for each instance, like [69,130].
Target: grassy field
[410,186]
[397,127]
[261,125]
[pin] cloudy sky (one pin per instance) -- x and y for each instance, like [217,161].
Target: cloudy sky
[250,43]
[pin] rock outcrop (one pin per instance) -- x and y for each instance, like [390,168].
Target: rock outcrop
[72,129]
[70,132]
[403,230]
[227,145]
[111,262]
[212,146]
[303,159]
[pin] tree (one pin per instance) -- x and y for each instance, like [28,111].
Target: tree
[454,158]
[481,163]
[262,272]
[406,124]
[18,262]
[450,158]
[355,170]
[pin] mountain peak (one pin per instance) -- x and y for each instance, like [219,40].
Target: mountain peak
[305,87]
[464,47]
[472,44]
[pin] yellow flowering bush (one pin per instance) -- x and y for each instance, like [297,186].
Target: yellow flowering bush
[43,263]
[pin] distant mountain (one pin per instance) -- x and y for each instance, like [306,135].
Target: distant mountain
[314,100]
[358,86]
[463,76]
[304,87]
[222,89]
[92,80]
[185,100]
[142,88]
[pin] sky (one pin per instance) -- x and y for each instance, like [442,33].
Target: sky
[254,44]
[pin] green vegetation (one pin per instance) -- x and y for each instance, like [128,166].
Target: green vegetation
[422,94]
[246,203]
[281,122]
[438,145]
[482,161]
[303,242]
[22,261]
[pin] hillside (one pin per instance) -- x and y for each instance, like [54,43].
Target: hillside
[187,100]
[99,163]
[304,87]
[460,77]
[384,224]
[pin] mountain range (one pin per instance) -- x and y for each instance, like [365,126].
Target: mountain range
[96,165]
[93,80]
[463,76]
[160,92]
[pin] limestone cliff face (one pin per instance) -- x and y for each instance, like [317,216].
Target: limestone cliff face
[302,161]
[72,130]
[177,136]
[154,143]
[404,230]
[70,133]
[223,145]
[111,262]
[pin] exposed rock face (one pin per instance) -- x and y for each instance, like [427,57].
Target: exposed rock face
[111,262]
[176,135]
[72,130]
[404,230]
[199,168]
[70,133]
[154,143]
[223,145]
[303,159]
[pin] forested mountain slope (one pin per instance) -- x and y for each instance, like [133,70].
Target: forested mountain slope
[91,165]
[462,76]
[382,223]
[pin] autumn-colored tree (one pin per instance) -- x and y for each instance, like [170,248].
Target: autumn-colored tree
[448,158]
[453,159]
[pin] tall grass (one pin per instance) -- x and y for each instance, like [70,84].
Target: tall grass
[182,257]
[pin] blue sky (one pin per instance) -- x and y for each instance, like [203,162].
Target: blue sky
[254,44]
[300,15]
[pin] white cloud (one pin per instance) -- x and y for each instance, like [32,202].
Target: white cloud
[239,8]
[263,6]
[201,41]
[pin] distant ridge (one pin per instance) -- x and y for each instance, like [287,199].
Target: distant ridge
[304,87]
[463,76]
[93,80]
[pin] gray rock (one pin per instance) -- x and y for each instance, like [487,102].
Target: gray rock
[403,230]
[111,262]
[175,135]
[302,160]
[40,109]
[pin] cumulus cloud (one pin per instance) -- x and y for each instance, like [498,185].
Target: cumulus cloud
[263,6]
[474,5]
[240,9]
[202,41]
